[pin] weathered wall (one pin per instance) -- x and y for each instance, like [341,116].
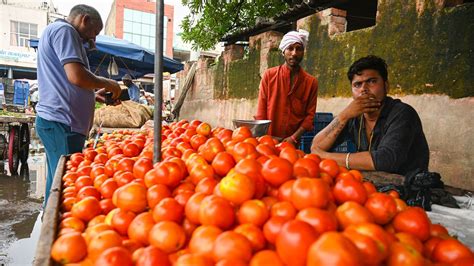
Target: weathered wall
[429,50]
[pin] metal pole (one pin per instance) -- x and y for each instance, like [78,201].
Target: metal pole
[158,86]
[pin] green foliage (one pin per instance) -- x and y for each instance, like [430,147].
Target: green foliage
[210,20]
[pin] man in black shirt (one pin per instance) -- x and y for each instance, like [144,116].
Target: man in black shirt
[387,133]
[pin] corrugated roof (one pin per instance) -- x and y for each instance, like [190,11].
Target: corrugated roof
[283,21]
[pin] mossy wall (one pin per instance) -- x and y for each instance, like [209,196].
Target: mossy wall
[430,51]
[427,51]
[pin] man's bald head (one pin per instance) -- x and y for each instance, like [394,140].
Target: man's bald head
[81,10]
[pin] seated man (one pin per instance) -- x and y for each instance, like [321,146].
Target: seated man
[387,133]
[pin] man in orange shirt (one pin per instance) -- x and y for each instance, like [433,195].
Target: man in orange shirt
[287,93]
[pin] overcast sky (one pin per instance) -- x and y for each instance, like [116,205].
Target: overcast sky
[103,6]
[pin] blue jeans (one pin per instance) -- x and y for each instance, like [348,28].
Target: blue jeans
[58,139]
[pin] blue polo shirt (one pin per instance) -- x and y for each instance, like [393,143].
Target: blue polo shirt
[59,100]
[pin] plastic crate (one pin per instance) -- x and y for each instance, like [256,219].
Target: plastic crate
[22,90]
[305,143]
[345,147]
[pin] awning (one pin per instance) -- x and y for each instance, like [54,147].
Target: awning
[130,58]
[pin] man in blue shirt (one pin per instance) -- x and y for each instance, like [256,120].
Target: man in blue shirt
[66,86]
[133,91]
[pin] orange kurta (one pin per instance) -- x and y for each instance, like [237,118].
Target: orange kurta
[288,109]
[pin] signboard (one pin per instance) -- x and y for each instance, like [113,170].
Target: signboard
[20,57]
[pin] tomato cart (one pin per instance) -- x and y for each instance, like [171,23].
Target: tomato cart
[15,139]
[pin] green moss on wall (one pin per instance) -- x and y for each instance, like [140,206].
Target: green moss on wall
[427,52]
[243,76]
[431,52]
[219,79]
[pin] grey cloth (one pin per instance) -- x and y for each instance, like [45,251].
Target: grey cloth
[398,143]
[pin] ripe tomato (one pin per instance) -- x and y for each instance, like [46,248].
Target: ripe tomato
[201,171]
[253,234]
[88,191]
[410,240]
[277,171]
[450,250]
[439,231]
[101,242]
[305,167]
[74,223]
[192,207]
[206,185]
[371,240]
[321,220]
[266,149]
[233,246]
[254,212]
[414,221]
[196,141]
[243,150]
[131,150]
[284,209]
[403,254]
[156,193]
[216,211]
[289,153]
[115,256]
[86,209]
[168,209]
[266,257]
[335,248]
[193,259]
[211,148]
[241,133]
[141,167]
[121,220]
[69,248]
[167,236]
[202,240]
[349,190]
[352,212]
[310,192]
[222,163]
[329,166]
[140,228]
[272,228]
[237,188]
[293,242]
[382,206]
[131,197]
[152,256]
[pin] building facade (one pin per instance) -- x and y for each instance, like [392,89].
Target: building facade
[19,22]
[134,21]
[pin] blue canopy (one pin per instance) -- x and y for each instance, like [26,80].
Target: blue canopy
[130,58]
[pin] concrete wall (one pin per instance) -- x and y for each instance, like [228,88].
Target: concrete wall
[428,47]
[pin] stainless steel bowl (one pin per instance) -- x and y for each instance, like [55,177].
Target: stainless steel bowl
[257,127]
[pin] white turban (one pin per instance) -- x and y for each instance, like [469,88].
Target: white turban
[300,36]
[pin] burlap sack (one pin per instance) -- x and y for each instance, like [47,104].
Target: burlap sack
[128,114]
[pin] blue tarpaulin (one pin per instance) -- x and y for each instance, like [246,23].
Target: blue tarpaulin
[130,58]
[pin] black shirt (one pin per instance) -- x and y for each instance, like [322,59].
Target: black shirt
[398,143]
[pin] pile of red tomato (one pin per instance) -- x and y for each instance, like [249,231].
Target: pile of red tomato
[223,197]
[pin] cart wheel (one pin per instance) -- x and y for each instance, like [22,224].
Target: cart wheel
[24,142]
[3,147]
[13,149]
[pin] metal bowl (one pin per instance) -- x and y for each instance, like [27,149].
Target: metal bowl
[257,127]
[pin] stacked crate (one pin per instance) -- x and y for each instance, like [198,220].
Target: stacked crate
[321,120]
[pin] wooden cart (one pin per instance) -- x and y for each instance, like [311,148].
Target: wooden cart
[15,139]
